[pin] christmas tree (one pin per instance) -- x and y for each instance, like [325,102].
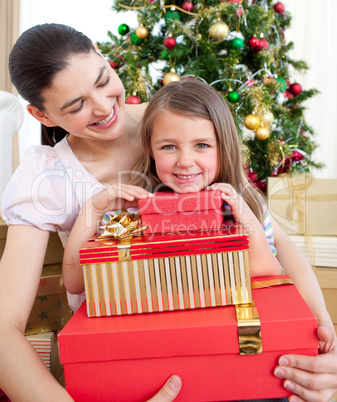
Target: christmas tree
[238,47]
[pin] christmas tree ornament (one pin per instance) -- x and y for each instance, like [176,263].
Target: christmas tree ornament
[279,8]
[219,31]
[282,84]
[133,100]
[268,118]
[237,43]
[235,1]
[233,96]
[165,55]
[116,62]
[253,43]
[123,29]
[135,40]
[295,89]
[252,122]
[171,77]
[239,12]
[187,6]
[142,32]
[170,42]
[172,16]
[262,133]
[263,44]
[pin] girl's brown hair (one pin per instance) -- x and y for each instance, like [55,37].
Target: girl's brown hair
[191,97]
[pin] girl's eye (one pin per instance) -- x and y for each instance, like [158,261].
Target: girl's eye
[168,147]
[106,82]
[202,146]
[78,109]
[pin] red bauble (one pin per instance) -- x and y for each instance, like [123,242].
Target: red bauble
[170,42]
[239,12]
[116,64]
[133,100]
[295,89]
[253,42]
[279,8]
[187,6]
[263,44]
[235,1]
[297,156]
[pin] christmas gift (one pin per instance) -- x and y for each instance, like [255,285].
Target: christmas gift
[160,272]
[50,311]
[129,358]
[303,205]
[169,212]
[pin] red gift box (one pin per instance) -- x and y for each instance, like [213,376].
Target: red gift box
[161,272]
[129,358]
[170,212]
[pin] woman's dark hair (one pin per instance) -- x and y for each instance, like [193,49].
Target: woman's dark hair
[37,56]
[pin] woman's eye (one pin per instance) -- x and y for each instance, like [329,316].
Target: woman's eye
[202,146]
[78,109]
[106,82]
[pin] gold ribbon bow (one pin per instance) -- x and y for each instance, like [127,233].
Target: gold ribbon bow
[120,225]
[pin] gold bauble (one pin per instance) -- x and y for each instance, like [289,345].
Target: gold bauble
[171,77]
[219,31]
[142,32]
[262,133]
[252,121]
[268,117]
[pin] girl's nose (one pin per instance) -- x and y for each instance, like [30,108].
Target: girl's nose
[185,159]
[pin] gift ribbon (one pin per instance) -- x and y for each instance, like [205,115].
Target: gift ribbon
[248,320]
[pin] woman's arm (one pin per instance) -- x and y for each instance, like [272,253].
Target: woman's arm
[309,378]
[22,373]
[262,261]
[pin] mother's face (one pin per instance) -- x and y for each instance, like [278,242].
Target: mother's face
[86,99]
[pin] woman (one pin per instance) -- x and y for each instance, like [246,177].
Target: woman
[69,85]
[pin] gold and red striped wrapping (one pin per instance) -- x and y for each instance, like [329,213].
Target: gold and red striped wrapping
[167,272]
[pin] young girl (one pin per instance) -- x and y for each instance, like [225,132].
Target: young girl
[190,143]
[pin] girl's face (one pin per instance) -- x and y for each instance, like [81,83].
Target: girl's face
[86,99]
[185,151]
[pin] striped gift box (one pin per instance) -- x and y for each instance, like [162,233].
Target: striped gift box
[43,343]
[165,272]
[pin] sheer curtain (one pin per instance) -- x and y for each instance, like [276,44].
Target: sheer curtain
[9,31]
[313,31]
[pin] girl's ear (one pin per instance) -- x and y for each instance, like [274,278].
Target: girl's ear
[40,116]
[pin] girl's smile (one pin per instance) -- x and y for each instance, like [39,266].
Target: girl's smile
[185,151]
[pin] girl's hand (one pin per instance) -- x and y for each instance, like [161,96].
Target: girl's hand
[115,197]
[240,210]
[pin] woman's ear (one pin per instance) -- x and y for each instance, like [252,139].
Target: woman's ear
[40,116]
[97,50]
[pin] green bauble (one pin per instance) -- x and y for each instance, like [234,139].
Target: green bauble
[135,40]
[233,96]
[172,16]
[165,55]
[282,84]
[123,29]
[237,43]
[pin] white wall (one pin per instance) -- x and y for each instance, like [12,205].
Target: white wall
[313,31]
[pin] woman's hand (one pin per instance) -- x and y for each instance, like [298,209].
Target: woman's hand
[169,391]
[312,378]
